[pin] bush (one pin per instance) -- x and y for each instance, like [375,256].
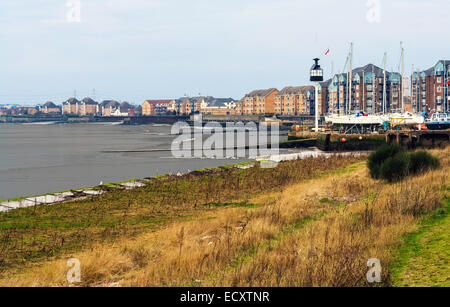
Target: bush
[377,158]
[393,163]
[421,162]
[395,168]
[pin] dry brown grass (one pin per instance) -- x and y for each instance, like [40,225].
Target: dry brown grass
[319,232]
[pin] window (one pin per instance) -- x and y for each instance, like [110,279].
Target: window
[439,80]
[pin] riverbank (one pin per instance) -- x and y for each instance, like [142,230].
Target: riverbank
[81,194]
[73,226]
[312,222]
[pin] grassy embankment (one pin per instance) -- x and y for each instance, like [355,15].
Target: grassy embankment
[306,223]
[39,233]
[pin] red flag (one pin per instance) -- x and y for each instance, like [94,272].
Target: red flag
[328,51]
[448,83]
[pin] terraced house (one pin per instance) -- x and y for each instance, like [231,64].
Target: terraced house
[430,89]
[260,102]
[366,91]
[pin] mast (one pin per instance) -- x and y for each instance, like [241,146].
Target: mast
[412,86]
[384,84]
[419,106]
[350,81]
[342,110]
[402,72]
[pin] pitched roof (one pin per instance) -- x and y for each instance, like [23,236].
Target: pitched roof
[126,105]
[429,71]
[160,101]
[49,104]
[368,69]
[89,101]
[261,93]
[180,100]
[71,101]
[445,62]
[295,90]
[218,102]
[110,103]
[195,99]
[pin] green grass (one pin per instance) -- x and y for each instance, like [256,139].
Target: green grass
[424,259]
[349,169]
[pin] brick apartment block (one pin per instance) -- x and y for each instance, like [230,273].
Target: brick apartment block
[429,92]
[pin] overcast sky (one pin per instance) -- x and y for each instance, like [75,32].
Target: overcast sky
[149,49]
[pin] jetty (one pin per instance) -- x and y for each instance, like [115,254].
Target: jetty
[423,138]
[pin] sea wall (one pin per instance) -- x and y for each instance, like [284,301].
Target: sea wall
[352,142]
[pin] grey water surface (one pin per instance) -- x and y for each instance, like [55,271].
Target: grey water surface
[36,159]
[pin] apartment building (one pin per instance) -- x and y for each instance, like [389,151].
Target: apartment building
[295,100]
[260,102]
[157,107]
[371,89]
[71,106]
[85,107]
[324,97]
[430,89]
[88,107]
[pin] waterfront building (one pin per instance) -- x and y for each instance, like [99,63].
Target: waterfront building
[218,106]
[295,101]
[88,107]
[71,106]
[371,90]
[50,108]
[259,102]
[323,97]
[157,107]
[430,88]
[108,107]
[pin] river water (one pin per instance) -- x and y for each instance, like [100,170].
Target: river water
[36,159]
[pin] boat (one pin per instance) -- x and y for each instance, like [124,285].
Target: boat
[355,119]
[361,118]
[438,121]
